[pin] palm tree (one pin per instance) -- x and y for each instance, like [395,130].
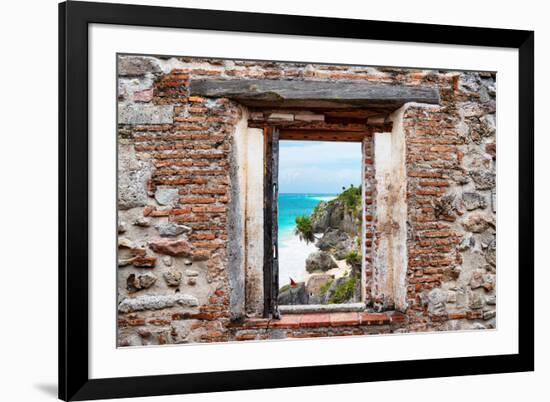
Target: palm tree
[304,230]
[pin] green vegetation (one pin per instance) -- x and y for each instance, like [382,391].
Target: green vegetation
[304,229]
[343,291]
[350,197]
[318,207]
[325,287]
[353,257]
[284,288]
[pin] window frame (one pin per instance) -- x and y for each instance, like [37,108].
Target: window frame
[273,133]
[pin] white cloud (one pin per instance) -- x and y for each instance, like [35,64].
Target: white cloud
[319,166]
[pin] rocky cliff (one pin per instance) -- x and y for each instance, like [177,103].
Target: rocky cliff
[335,269]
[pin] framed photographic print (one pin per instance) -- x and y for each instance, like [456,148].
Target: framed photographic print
[258,200]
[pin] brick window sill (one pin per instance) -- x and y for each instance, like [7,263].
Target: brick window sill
[317,320]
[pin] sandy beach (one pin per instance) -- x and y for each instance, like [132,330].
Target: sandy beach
[292,256]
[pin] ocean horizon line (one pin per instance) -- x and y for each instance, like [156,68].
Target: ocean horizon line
[308,193]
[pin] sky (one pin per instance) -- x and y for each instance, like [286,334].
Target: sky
[318,166]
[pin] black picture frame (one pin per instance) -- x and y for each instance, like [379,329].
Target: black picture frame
[74,18]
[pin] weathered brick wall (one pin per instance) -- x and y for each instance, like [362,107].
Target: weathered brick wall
[369,194]
[451,161]
[175,191]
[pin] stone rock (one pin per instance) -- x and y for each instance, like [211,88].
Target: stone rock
[476,301]
[467,243]
[338,242]
[469,82]
[172,277]
[491,253]
[460,177]
[125,262]
[191,272]
[462,298]
[487,315]
[133,175]
[289,295]
[320,218]
[166,195]
[187,261]
[171,229]
[483,179]
[491,149]
[167,261]
[452,273]
[200,255]
[436,300]
[156,302]
[491,300]
[489,282]
[172,247]
[331,292]
[133,66]
[144,95]
[316,281]
[476,280]
[144,332]
[142,222]
[142,281]
[121,228]
[320,261]
[331,239]
[334,215]
[123,242]
[192,281]
[121,90]
[144,261]
[131,113]
[489,123]
[473,201]
[445,206]
[451,296]
[477,223]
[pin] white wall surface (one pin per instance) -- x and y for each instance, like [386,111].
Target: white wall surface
[28,169]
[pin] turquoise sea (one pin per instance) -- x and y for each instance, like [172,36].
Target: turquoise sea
[292,205]
[292,251]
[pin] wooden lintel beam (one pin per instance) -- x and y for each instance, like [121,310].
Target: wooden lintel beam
[380,128]
[314,94]
[312,135]
[311,125]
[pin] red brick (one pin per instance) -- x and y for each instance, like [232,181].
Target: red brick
[342,319]
[197,200]
[217,190]
[148,209]
[315,320]
[287,321]
[190,218]
[159,322]
[398,317]
[144,261]
[135,322]
[203,236]
[475,314]
[246,337]
[254,323]
[434,183]
[374,318]
[180,211]
[196,99]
